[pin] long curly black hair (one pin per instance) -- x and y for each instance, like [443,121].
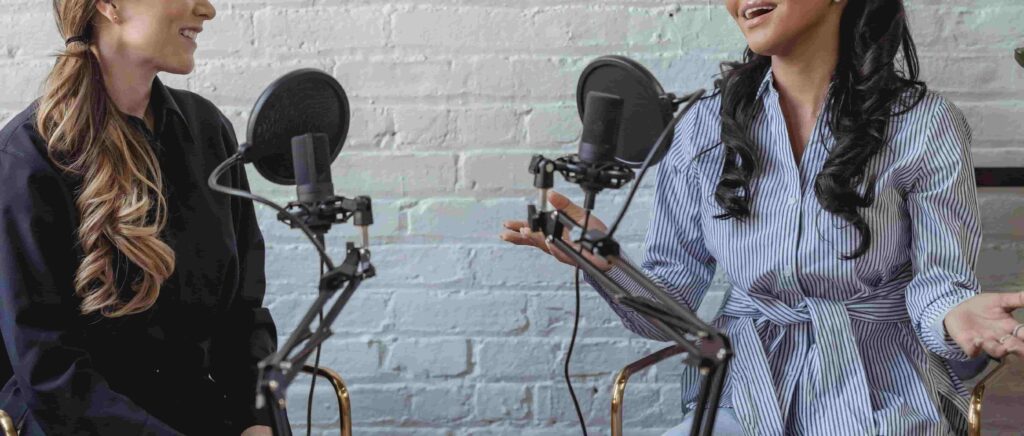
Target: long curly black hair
[869,88]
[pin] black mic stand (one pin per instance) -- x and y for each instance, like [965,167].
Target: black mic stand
[706,348]
[279,370]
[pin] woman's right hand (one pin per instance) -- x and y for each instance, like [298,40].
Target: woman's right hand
[518,232]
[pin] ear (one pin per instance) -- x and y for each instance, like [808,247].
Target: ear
[108,9]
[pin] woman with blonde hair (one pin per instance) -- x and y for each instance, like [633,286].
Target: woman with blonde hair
[130,293]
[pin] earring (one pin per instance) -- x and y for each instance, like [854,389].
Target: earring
[117,19]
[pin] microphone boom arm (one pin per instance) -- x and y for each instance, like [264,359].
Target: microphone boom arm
[279,370]
[706,348]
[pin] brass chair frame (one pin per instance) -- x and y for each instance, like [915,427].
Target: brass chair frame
[619,388]
[340,391]
[978,394]
[7,427]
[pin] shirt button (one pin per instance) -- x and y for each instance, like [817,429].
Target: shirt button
[791,201]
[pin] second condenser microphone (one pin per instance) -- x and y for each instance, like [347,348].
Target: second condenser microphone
[602,118]
[312,163]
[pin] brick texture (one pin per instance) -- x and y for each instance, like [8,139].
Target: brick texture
[461,334]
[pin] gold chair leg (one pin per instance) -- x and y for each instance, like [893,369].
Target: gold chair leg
[7,425]
[977,396]
[341,391]
[619,388]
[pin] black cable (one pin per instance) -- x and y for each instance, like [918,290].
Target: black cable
[237,157]
[575,330]
[316,366]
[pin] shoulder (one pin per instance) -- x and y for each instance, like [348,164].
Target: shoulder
[698,132]
[934,114]
[28,176]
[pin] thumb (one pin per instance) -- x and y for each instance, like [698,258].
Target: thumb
[565,205]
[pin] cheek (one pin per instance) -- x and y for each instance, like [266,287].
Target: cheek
[732,6]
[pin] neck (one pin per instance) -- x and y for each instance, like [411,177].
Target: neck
[128,83]
[802,74]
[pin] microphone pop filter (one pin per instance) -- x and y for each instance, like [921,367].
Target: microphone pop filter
[301,102]
[646,109]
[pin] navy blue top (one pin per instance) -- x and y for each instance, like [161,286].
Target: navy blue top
[823,343]
[188,364]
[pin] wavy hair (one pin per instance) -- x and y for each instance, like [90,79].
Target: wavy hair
[120,204]
[869,88]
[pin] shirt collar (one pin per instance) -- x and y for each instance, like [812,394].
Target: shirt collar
[162,102]
[767,84]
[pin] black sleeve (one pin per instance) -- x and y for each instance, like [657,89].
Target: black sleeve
[39,312]
[248,334]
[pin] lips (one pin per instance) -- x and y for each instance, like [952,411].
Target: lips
[756,9]
[190,32]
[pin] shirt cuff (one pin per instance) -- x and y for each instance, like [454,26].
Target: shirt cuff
[936,338]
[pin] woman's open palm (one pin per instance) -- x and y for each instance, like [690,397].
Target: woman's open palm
[518,232]
[985,322]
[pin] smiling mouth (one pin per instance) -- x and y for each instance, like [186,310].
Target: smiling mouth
[758,11]
[189,34]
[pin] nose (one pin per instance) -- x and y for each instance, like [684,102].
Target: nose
[205,9]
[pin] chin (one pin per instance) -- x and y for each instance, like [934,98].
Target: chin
[181,67]
[764,42]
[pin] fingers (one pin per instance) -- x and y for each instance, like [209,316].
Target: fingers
[566,206]
[999,350]
[515,225]
[996,338]
[1014,346]
[1012,300]
[515,237]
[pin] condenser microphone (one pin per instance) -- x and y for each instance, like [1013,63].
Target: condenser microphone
[602,120]
[311,161]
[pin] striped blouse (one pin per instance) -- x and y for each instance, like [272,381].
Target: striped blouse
[825,345]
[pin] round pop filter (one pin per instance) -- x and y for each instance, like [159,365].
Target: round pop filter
[300,102]
[646,111]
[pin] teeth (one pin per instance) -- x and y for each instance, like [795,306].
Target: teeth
[190,34]
[750,12]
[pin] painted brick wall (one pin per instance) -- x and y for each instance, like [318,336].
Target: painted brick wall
[460,334]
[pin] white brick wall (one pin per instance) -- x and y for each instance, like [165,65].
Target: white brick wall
[460,334]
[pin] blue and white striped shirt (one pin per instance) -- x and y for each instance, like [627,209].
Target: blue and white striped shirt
[825,345]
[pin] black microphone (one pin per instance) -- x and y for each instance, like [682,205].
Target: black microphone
[311,161]
[1019,55]
[602,120]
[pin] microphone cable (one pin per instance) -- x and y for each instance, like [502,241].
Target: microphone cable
[575,330]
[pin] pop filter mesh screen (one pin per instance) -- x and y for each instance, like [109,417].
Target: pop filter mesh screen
[304,103]
[644,114]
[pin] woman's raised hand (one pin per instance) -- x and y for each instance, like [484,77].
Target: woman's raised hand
[518,232]
[985,322]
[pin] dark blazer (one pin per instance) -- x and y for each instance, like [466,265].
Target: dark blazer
[188,365]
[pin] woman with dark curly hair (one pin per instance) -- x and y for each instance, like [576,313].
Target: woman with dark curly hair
[838,195]
[130,293]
